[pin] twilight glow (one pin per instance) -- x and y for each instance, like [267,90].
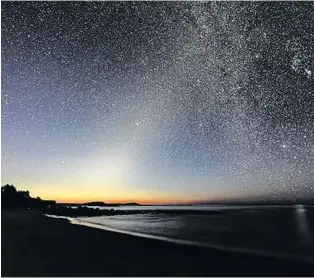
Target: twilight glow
[158,102]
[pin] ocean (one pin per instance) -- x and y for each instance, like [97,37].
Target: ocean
[281,231]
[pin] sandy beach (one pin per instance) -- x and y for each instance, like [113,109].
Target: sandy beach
[35,245]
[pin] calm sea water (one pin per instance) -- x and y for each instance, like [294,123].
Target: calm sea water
[181,207]
[271,230]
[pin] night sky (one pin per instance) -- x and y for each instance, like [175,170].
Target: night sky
[158,102]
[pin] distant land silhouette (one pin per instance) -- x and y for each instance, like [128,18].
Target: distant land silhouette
[13,199]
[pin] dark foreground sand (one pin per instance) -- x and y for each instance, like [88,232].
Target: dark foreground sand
[35,245]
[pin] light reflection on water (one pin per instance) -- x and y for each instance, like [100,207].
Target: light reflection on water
[302,224]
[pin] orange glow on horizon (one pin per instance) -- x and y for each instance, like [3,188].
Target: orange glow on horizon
[122,201]
[141,201]
[81,192]
[157,200]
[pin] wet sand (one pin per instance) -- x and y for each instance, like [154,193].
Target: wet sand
[35,245]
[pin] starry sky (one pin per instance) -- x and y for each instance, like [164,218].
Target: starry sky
[158,102]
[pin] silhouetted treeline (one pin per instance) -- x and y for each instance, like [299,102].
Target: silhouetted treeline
[11,198]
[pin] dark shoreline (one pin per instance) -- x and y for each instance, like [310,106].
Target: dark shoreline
[35,245]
